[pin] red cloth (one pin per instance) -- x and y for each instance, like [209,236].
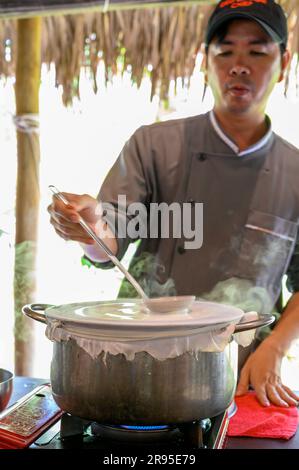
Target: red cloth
[254,420]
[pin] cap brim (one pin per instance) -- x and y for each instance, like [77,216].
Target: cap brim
[231,17]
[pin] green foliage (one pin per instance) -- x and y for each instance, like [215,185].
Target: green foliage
[24,284]
[144,269]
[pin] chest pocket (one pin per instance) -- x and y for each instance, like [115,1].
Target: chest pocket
[265,251]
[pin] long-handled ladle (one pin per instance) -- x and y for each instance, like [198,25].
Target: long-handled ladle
[109,253]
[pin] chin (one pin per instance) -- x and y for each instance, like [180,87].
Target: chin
[239,109]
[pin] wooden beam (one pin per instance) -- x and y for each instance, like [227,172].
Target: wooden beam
[27,197]
[32,8]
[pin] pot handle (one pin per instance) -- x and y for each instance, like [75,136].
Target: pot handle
[263,320]
[36,311]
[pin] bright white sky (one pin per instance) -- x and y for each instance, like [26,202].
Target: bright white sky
[78,146]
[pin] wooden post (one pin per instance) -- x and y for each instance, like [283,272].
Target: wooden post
[27,195]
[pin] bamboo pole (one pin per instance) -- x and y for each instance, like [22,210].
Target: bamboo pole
[27,192]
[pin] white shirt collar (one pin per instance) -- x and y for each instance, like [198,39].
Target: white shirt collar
[253,148]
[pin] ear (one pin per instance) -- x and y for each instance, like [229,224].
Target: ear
[285,60]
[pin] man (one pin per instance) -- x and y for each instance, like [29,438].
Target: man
[243,173]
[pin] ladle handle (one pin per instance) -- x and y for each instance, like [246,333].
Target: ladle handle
[107,250]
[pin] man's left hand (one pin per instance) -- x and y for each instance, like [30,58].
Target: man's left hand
[262,372]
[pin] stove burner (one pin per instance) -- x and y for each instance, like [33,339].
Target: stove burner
[72,432]
[144,428]
[140,434]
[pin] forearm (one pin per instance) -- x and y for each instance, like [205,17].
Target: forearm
[287,329]
[94,251]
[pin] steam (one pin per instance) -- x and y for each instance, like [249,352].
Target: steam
[144,268]
[241,293]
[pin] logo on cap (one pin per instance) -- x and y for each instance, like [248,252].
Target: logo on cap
[240,3]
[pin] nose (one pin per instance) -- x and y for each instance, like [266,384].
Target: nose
[238,70]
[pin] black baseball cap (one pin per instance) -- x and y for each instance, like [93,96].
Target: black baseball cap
[267,13]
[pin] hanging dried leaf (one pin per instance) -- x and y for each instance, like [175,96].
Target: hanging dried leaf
[164,40]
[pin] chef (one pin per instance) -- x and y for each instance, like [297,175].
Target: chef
[236,177]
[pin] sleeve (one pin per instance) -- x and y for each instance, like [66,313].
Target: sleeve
[293,269]
[126,184]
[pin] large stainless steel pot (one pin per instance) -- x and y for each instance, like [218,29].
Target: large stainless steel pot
[111,389]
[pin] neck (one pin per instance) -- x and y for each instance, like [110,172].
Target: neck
[245,130]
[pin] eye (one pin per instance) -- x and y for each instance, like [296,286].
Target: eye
[257,53]
[224,53]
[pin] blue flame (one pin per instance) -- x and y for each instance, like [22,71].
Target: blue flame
[144,428]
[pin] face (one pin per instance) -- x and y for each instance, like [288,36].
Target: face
[243,68]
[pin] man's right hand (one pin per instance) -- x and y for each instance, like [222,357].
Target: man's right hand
[65,218]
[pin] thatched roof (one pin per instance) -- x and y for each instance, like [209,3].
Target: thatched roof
[160,42]
[21,9]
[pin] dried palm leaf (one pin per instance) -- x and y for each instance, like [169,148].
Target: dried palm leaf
[163,40]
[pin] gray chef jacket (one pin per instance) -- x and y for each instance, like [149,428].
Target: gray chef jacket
[250,212]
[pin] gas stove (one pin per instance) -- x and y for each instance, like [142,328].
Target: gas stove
[36,422]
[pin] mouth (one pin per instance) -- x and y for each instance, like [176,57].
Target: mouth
[239,90]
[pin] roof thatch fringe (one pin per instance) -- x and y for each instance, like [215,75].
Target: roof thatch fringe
[160,42]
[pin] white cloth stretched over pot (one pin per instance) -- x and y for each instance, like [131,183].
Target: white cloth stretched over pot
[160,348]
[95,341]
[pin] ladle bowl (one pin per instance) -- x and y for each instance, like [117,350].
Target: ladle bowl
[169,304]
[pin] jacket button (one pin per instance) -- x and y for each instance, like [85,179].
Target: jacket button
[181,250]
[202,157]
